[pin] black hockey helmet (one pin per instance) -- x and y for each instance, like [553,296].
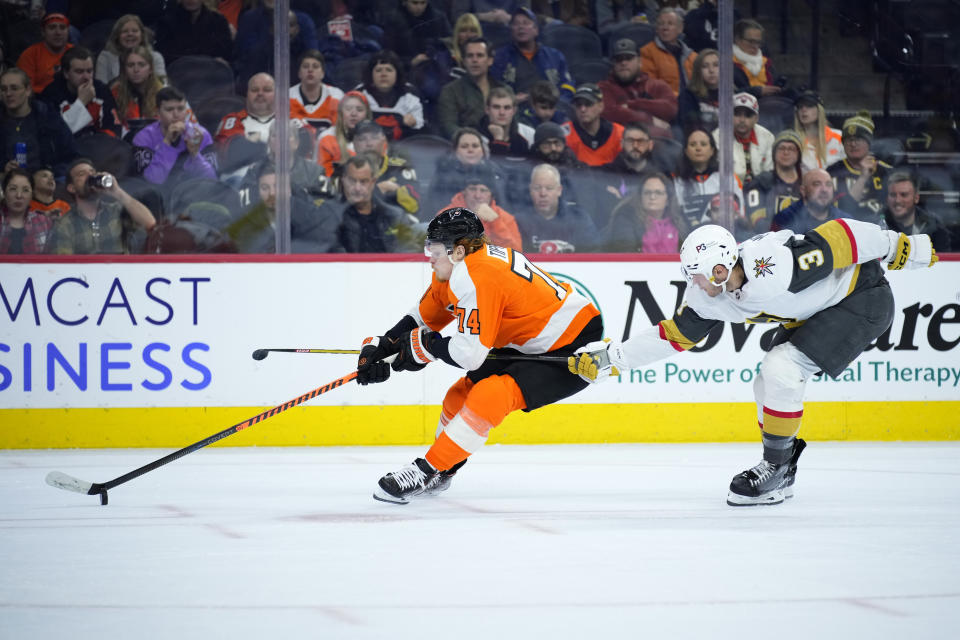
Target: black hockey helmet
[455,223]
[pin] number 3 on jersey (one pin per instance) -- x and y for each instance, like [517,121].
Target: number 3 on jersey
[472,320]
[526,270]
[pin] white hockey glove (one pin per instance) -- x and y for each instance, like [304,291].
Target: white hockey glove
[912,252]
[598,360]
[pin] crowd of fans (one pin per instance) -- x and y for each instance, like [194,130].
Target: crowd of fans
[399,110]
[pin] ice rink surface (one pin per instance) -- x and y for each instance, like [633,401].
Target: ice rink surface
[586,542]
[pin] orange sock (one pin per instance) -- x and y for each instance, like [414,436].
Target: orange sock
[444,453]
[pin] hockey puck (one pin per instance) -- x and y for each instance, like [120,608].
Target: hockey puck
[259,354]
[103,497]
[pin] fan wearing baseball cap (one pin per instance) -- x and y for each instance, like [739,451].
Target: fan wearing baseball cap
[41,60]
[630,95]
[594,140]
[752,143]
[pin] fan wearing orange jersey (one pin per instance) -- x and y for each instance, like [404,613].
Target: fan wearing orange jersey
[495,299]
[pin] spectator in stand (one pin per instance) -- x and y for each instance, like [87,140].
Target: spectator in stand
[698,104]
[505,134]
[36,124]
[700,26]
[647,221]
[101,219]
[774,191]
[445,61]
[128,33]
[462,102]
[630,95]
[22,229]
[306,177]
[477,195]
[449,54]
[823,145]
[550,147]
[395,104]
[697,178]
[312,229]
[550,224]
[85,104]
[903,214]
[253,46]
[749,58]
[615,14]
[395,175]
[541,105]
[616,180]
[253,121]
[312,100]
[524,61]
[667,57]
[44,194]
[415,28]
[815,208]
[191,29]
[173,149]
[41,60]
[368,225]
[135,91]
[593,139]
[335,144]
[753,143]
[470,151]
[860,179]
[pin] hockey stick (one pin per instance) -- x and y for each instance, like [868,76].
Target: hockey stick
[69,483]
[260,354]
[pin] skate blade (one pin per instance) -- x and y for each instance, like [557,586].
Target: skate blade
[383,496]
[787,493]
[737,500]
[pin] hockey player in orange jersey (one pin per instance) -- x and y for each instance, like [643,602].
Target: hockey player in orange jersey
[496,299]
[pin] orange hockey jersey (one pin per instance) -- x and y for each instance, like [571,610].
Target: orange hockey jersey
[498,298]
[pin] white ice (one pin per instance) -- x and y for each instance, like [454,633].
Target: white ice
[586,542]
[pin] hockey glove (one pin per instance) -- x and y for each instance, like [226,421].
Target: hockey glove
[912,252]
[598,360]
[414,350]
[370,365]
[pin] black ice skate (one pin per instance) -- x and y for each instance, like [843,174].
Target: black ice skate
[441,481]
[798,446]
[399,486]
[763,484]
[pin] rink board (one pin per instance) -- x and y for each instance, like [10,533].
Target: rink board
[156,353]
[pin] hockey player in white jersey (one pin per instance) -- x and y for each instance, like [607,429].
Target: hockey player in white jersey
[827,291]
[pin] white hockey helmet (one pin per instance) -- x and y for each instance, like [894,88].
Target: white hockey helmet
[706,247]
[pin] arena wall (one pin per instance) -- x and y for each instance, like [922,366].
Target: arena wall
[156,352]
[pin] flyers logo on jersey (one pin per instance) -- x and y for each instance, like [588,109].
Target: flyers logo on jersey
[762,266]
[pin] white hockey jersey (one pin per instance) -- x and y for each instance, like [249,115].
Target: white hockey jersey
[788,279]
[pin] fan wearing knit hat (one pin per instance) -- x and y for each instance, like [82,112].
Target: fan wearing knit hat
[773,191]
[860,178]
